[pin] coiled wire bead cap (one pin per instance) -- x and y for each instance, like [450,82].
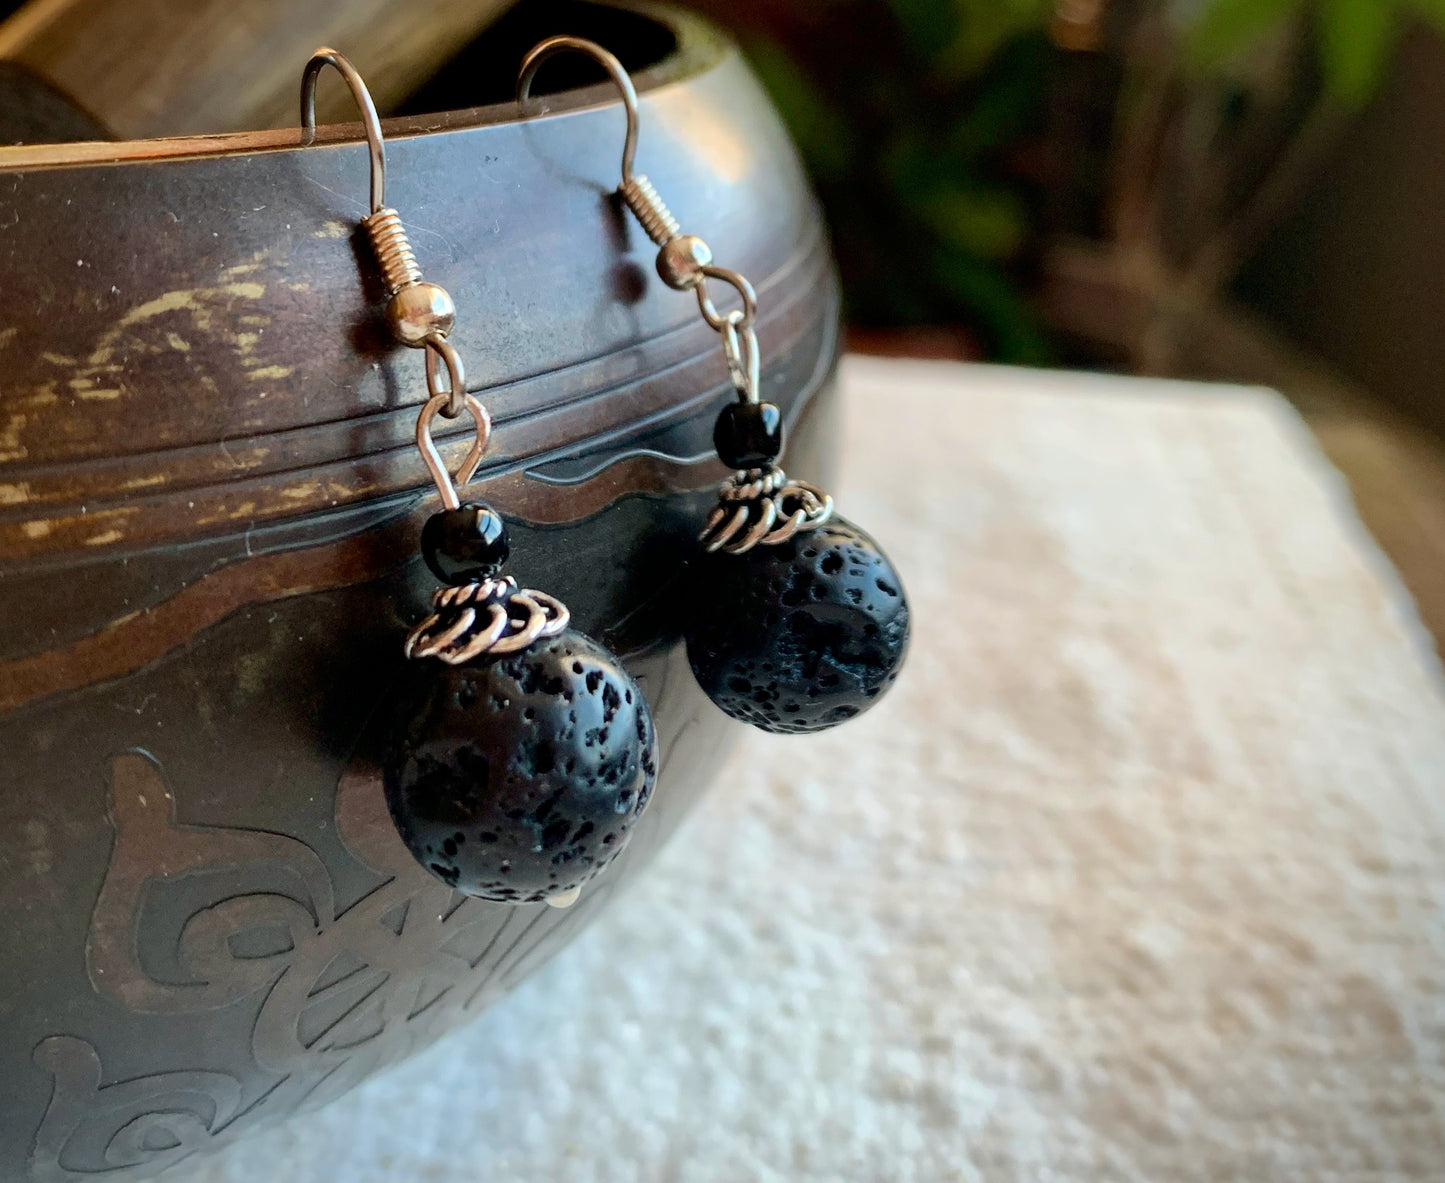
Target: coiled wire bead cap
[485,619]
[761,507]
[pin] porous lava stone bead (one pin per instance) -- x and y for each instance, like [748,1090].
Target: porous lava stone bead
[519,777]
[464,545]
[800,636]
[748,435]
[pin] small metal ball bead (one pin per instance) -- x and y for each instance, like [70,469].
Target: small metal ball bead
[466,544]
[681,260]
[748,435]
[418,311]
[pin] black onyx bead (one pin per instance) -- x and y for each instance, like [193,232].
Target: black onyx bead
[466,544]
[519,778]
[748,435]
[800,636]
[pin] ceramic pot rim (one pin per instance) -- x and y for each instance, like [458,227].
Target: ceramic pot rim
[699,48]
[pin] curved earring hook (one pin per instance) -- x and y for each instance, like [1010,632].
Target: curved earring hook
[322,58]
[555,45]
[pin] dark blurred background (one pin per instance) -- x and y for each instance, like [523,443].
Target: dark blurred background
[1123,182]
[1233,189]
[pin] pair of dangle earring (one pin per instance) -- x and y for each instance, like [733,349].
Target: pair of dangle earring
[799,620]
[518,753]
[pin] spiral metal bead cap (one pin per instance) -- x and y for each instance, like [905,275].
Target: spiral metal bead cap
[763,508]
[480,619]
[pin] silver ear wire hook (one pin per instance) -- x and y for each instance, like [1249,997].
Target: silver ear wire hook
[551,47]
[322,58]
[684,261]
[420,314]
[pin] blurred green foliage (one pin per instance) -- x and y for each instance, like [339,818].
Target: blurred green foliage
[1353,38]
[921,122]
[914,156]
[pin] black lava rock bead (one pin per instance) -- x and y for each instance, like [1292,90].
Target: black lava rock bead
[465,545]
[801,636]
[748,435]
[520,777]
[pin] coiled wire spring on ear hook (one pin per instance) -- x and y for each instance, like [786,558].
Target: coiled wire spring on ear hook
[420,314]
[684,261]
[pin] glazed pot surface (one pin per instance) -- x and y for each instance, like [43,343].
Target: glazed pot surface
[209,509]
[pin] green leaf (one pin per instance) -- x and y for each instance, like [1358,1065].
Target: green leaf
[912,166]
[1432,12]
[1008,101]
[1227,28]
[927,24]
[989,223]
[821,133]
[984,28]
[991,302]
[1356,38]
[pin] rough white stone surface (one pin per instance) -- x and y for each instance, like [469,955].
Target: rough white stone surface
[1136,875]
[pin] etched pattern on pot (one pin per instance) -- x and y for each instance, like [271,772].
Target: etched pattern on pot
[341,992]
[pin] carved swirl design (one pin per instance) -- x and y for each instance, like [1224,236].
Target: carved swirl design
[338,992]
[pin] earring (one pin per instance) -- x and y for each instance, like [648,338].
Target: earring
[518,753]
[800,621]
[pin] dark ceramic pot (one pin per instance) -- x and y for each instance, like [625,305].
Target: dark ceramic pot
[209,507]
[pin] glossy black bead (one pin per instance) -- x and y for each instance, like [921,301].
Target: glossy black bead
[748,435]
[521,777]
[466,544]
[801,636]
